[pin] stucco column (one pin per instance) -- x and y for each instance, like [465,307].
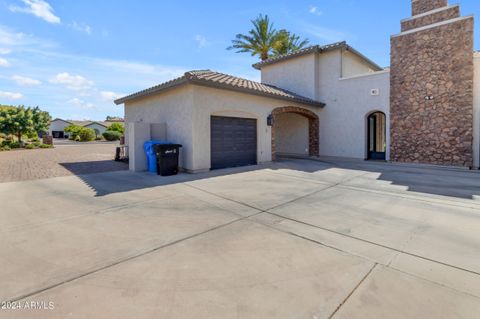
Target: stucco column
[138,133]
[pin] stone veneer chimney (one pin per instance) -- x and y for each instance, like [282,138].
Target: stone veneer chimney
[431,102]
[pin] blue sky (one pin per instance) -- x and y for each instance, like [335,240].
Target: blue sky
[73,58]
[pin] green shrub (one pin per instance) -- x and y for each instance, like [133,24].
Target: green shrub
[15,144]
[29,146]
[37,144]
[116,127]
[46,146]
[86,135]
[35,139]
[5,148]
[112,135]
[73,130]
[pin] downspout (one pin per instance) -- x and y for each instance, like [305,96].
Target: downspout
[341,62]
[316,76]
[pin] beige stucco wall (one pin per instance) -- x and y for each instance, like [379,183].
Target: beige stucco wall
[210,101]
[292,138]
[352,65]
[298,75]
[173,107]
[476,111]
[187,111]
[343,124]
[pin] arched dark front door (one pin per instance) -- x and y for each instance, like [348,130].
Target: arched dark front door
[377,143]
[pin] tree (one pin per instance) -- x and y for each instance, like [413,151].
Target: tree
[116,127]
[287,42]
[259,40]
[263,40]
[16,121]
[41,120]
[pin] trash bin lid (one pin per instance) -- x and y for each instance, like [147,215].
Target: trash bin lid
[148,145]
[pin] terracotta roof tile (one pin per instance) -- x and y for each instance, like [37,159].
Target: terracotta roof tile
[227,82]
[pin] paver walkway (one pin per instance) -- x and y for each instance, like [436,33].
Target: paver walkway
[63,160]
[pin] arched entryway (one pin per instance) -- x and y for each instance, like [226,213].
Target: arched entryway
[376,136]
[312,130]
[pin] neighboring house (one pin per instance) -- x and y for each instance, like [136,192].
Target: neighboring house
[57,126]
[327,101]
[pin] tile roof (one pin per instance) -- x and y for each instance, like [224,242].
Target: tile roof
[316,49]
[227,82]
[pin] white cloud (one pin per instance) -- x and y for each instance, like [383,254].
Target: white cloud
[202,41]
[5,51]
[110,96]
[39,8]
[80,103]
[314,10]
[24,81]
[82,27]
[10,39]
[11,95]
[72,82]
[4,62]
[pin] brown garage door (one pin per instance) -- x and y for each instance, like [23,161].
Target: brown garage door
[233,142]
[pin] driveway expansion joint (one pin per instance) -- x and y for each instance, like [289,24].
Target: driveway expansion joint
[353,291]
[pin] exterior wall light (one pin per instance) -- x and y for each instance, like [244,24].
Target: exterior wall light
[270,120]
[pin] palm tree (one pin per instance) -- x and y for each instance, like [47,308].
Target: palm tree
[263,40]
[287,42]
[259,40]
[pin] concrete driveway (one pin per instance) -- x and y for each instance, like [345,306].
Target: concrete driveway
[294,239]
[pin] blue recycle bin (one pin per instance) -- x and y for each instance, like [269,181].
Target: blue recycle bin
[150,153]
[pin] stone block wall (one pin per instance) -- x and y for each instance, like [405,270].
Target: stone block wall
[449,13]
[422,6]
[431,102]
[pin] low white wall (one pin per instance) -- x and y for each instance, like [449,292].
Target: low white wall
[476,111]
[292,134]
[158,131]
[173,107]
[139,133]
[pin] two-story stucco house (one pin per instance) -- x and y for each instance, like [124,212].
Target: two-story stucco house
[327,101]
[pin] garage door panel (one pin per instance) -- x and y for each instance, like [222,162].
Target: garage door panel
[233,142]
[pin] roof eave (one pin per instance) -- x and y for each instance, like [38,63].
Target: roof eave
[194,81]
[317,49]
[356,52]
[250,92]
[151,91]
